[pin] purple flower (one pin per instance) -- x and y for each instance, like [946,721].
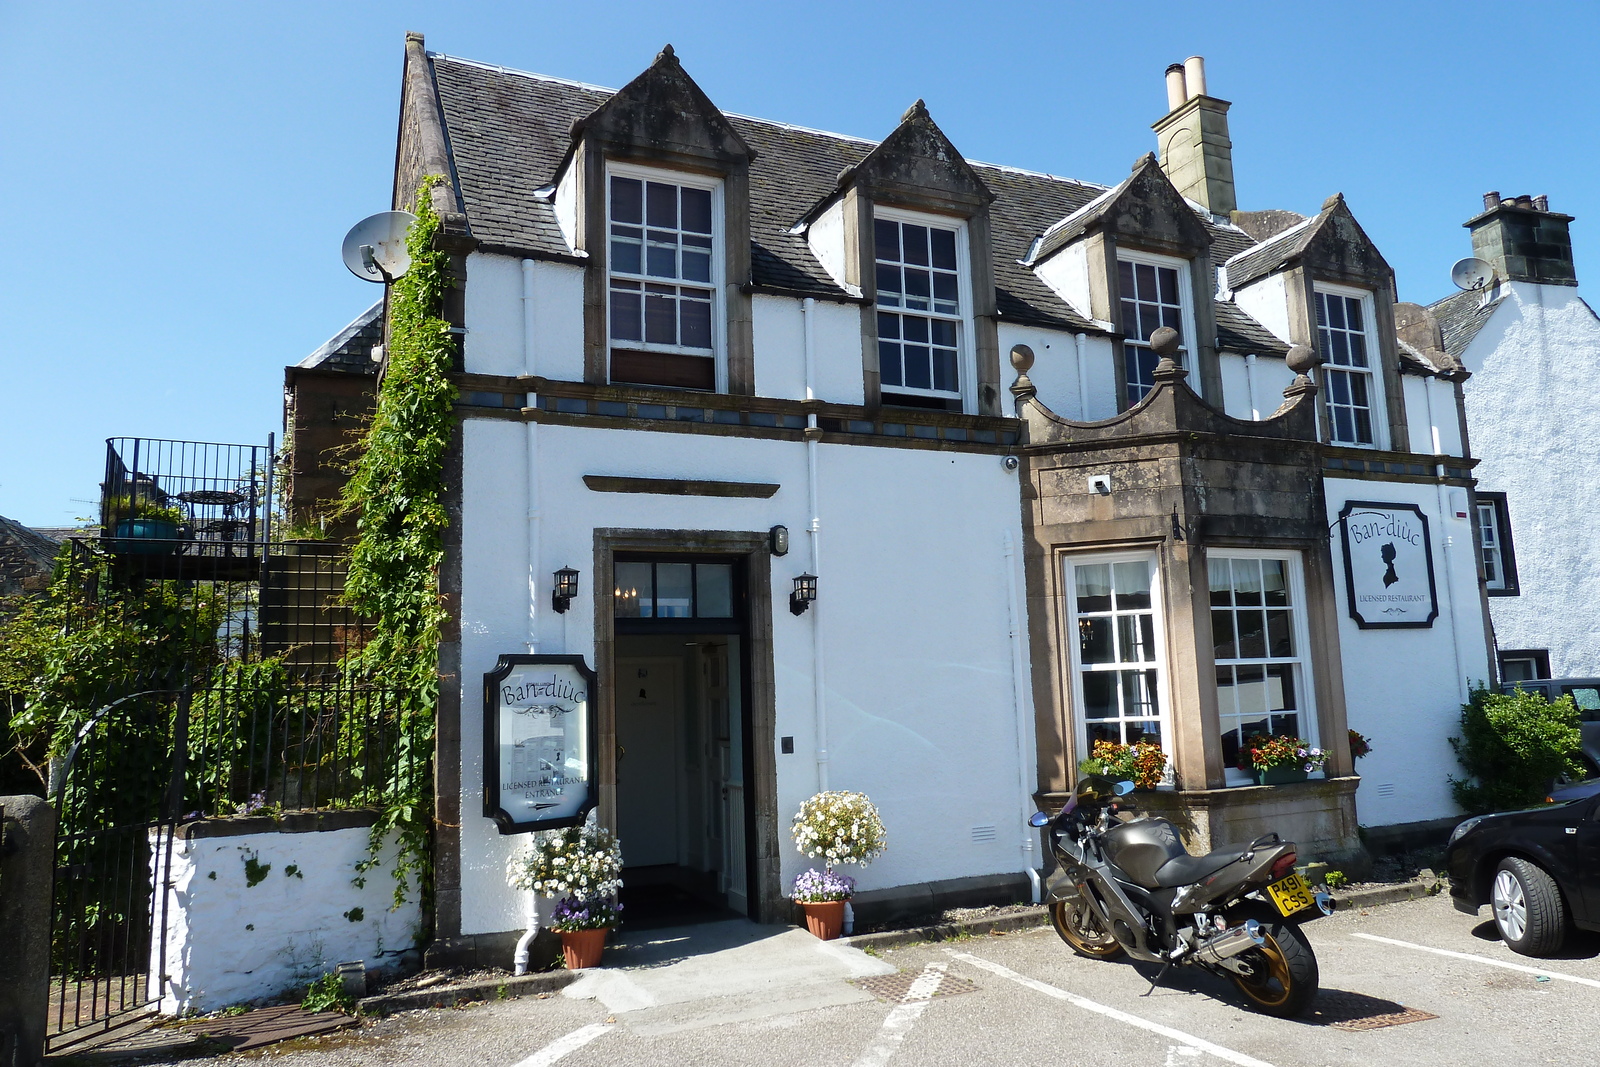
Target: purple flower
[816,887]
[592,913]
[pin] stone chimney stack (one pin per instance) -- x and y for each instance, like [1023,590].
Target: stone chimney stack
[1524,240]
[1193,137]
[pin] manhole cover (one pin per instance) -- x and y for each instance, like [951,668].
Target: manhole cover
[1356,1011]
[895,987]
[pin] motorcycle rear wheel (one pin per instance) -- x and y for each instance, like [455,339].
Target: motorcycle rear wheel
[1286,975]
[1079,927]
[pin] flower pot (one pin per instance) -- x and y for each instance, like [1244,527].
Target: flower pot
[1279,775]
[582,948]
[824,919]
[146,537]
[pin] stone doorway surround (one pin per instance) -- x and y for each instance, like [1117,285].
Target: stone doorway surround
[761,768]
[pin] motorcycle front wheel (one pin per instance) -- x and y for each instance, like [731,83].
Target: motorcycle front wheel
[1286,977]
[1079,927]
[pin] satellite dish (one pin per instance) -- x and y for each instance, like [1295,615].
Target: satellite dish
[375,247]
[1471,273]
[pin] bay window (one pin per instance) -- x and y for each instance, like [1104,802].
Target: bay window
[664,264]
[1258,632]
[1116,642]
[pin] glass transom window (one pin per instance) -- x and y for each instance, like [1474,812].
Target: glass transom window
[1151,298]
[1347,370]
[661,240]
[919,308]
[1118,661]
[673,591]
[1256,622]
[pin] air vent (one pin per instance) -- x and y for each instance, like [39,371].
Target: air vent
[982,833]
[1386,789]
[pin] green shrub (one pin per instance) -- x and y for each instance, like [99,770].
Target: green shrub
[1335,879]
[1512,746]
[327,994]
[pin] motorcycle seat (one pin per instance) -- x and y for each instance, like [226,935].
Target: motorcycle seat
[1182,870]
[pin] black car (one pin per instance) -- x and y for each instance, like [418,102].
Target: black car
[1538,869]
[1585,693]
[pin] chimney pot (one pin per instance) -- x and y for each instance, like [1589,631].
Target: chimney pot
[1194,76]
[1541,202]
[1176,93]
[1491,200]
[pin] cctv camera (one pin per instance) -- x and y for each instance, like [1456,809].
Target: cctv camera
[1011,463]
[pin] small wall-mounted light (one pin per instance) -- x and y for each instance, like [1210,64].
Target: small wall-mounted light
[778,539]
[805,591]
[564,589]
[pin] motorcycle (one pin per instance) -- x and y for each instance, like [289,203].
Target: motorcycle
[1127,885]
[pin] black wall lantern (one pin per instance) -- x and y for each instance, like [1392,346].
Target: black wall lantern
[805,591]
[565,588]
[778,539]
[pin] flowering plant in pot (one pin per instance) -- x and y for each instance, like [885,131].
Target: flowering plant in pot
[583,923]
[584,865]
[840,827]
[1142,763]
[1276,760]
[1360,745]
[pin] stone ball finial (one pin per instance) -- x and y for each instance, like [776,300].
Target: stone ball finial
[1301,359]
[1165,341]
[1021,358]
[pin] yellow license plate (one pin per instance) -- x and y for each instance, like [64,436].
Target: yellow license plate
[1290,894]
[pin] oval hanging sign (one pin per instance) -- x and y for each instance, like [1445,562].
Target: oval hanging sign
[538,751]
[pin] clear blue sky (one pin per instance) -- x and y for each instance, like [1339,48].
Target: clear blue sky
[180,175]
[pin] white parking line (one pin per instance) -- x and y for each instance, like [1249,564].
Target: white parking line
[564,1044]
[901,1019]
[1482,959]
[1113,1013]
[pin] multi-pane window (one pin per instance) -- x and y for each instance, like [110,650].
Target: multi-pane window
[1349,359]
[1261,671]
[1118,666]
[673,590]
[662,245]
[1494,540]
[919,308]
[1151,298]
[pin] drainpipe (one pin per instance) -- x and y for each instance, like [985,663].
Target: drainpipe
[1445,515]
[520,960]
[1082,342]
[530,367]
[819,694]
[1020,709]
[1250,385]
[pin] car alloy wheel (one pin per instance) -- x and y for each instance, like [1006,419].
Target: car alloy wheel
[1510,906]
[1528,908]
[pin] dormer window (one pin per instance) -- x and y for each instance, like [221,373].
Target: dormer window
[664,247]
[1353,389]
[1154,291]
[922,298]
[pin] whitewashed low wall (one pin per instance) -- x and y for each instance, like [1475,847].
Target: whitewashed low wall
[261,907]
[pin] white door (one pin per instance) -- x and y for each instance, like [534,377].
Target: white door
[649,714]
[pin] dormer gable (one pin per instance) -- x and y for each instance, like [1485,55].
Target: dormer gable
[1144,211]
[1330,245]
[663,112]
[917,166]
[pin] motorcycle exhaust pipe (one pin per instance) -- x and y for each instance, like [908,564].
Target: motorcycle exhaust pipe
[1324,902]
[1230,943]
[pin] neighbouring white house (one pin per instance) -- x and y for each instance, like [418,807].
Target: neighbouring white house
[856,464]
[1529,340]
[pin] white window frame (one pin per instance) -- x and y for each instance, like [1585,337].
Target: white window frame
[1493,545]
[1300,630]
[1376,393]
[1185,311]
[1071,642]
[966,350]
[719,315]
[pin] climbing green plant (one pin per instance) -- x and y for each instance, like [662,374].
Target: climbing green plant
[396,494]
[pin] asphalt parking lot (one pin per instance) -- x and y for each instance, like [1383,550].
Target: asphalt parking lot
[1024,998]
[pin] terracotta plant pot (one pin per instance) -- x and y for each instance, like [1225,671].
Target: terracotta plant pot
[1279,775]
[582,948]
[825,920]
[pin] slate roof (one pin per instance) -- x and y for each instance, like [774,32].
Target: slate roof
[351,348]
[1264,258]
[1462,315]
[26,558]
[509,133]
[1238,332]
